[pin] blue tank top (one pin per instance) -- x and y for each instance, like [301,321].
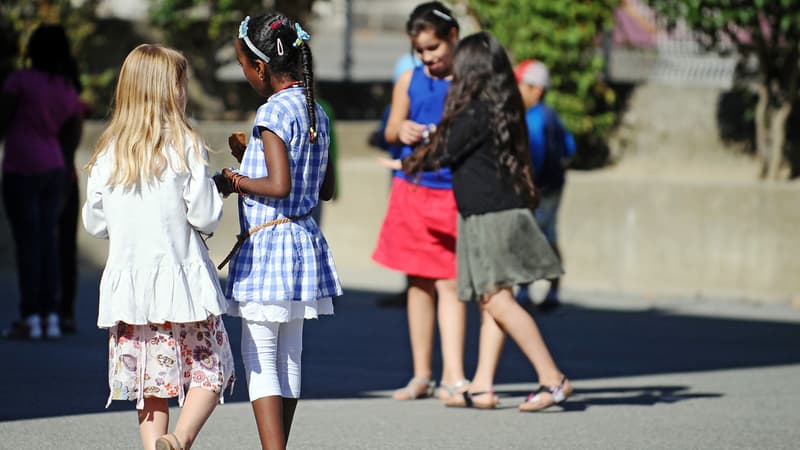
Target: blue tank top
[426,97]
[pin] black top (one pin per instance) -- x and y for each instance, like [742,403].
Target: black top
[478,185]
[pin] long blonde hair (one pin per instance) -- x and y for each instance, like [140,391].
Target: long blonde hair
[148,117]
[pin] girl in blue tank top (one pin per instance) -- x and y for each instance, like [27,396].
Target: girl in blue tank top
[426,95]
[418,234]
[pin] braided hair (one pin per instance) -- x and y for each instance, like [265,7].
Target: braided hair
[276,36]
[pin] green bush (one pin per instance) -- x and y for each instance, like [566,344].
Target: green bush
[565,35]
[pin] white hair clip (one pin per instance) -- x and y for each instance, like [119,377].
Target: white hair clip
[280,47]
[442,15]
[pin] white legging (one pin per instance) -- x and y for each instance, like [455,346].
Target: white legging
[271,354]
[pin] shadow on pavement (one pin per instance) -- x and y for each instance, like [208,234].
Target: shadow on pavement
[617,396]
[363,351]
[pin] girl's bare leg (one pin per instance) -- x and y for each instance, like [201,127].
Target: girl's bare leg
[490,346]
[421,320]
[153,421]
[512,318]
[452,316]
[197,407]
[269,419]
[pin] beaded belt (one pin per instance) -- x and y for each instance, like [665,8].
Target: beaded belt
[240,238]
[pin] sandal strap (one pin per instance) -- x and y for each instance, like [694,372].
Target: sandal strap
[451,389]
[430,385]
[557,392]
[467,399]
[468,396]
[177,441]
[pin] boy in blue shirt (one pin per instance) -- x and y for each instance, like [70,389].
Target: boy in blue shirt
[551,145]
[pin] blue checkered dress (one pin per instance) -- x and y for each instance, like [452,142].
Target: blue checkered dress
[288,262]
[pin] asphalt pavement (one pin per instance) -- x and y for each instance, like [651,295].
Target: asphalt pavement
[647,373]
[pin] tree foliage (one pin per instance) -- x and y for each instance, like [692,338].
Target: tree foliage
[767,31]
[565,36]
[200,29]
[220,15]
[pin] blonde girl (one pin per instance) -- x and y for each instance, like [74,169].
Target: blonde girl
[151,195]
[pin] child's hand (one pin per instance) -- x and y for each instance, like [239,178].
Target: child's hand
[410,132]
[389,163]
[223,184]
[238,143]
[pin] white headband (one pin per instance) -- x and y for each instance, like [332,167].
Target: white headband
[243,36]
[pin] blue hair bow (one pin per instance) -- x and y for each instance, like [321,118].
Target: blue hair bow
[301,35]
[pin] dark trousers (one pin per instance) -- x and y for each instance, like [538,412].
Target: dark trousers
[68,247]
[33,205]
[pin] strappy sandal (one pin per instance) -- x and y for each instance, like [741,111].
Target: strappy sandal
[445,392]
[411,390]
[164,443]
[467,400]
[547,396]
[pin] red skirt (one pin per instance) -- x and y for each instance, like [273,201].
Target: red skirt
[418,235]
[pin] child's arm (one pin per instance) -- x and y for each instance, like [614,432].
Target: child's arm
[93,214]
[400,130]
[328,189]
[8,107]
[278,183]
[203,204]
[467,133]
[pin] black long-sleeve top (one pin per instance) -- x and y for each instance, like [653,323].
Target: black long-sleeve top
[478,185]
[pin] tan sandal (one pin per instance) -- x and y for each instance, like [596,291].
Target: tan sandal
[547,396]
[411,391]
[445,392]
[164,443]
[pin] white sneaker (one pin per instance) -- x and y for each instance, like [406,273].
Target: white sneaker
[34,323]
[53,328]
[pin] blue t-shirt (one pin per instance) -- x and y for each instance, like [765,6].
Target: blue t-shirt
[427,97]
[545,129]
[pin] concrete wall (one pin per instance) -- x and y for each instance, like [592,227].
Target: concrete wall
[663,236]
[621,231]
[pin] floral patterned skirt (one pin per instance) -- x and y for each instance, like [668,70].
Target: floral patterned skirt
[162,360]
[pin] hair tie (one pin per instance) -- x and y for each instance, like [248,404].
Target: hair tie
[301,35]
[280,46]
[243,36]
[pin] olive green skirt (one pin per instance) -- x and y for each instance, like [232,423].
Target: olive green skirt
[499,250]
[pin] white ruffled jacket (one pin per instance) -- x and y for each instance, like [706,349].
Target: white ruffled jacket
[158,268]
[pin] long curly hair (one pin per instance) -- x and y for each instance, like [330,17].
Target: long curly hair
[482,71]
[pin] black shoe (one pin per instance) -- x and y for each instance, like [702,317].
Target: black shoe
[549,305]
